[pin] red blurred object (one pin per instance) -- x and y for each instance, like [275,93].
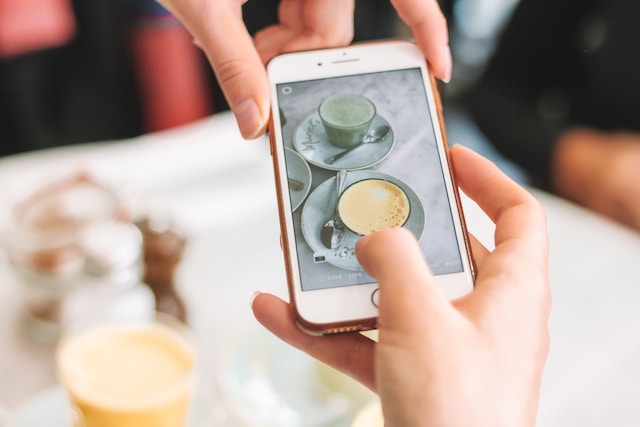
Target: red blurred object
[171,74]
[29,25]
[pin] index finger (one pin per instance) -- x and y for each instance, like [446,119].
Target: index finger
[429,28]
[219,28]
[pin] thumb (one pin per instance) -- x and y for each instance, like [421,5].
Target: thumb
[408,292]
[219,29]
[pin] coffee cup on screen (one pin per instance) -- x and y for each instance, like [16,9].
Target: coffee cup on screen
[128,374]
[373,204]
[346,118]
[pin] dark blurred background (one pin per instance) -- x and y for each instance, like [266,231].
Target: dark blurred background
[129,68]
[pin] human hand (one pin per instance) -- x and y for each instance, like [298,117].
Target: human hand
[429,28]
[475,361]
[600,170]
[238,63]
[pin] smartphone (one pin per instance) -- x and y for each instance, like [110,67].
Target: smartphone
[359,144]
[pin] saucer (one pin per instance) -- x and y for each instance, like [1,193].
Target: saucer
[50,408]
[310,140]
[321,205]
[268,383]
[298,169]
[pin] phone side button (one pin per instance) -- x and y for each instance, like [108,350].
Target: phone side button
[375,297]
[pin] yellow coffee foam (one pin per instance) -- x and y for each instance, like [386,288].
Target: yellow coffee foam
[127,367]
[373,204]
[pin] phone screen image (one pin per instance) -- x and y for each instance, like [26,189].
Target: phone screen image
[361,154]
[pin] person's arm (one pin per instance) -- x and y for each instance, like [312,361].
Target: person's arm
[475,361]
[556,103]
[601,171]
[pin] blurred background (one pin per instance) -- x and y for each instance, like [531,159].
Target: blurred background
[109,70]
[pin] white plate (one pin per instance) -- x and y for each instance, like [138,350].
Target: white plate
[49,408]
[311,142]
[321,205]
[298,169]
[267,383]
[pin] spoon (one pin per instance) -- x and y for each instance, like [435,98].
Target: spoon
[376,134]
[332,231]
[295,185]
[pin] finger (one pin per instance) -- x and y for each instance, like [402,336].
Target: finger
[307,25]
[408,292]
[478,250]
[324,23]
[521,241]
[220,30]
[516,213]
[351,353]
[429,28]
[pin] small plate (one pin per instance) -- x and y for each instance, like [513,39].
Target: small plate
[321,205]
[311,142]
[50,408]
[298,169]
[267,383]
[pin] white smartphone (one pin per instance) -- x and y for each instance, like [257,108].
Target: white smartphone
[358,144]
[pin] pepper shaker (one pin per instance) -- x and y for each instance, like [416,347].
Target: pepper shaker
[163,249]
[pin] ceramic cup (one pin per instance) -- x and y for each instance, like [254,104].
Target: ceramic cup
[346,118]
[128,373]
[370,205]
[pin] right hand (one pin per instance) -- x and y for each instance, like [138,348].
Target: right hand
[238,61]
[476,361]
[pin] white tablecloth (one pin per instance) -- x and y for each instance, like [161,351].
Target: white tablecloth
[220,190]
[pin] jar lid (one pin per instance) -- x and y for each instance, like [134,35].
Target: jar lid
[46,223]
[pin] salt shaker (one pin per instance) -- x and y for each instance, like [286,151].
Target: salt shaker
[112,287]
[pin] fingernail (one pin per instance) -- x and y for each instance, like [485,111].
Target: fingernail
[253,298]
[248,118]
[361,243]
[197,43]
[448,64]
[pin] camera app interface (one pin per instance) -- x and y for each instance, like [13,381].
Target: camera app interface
[361,155]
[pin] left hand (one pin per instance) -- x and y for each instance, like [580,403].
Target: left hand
[238,63]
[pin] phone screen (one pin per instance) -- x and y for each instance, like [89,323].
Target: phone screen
[393,176]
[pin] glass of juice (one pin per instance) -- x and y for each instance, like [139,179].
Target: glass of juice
[128,373]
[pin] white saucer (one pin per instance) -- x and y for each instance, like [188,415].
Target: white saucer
[50,408]
[298,169]
[311,142]
[267,383]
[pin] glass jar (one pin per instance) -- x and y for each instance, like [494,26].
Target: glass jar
[44,250]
